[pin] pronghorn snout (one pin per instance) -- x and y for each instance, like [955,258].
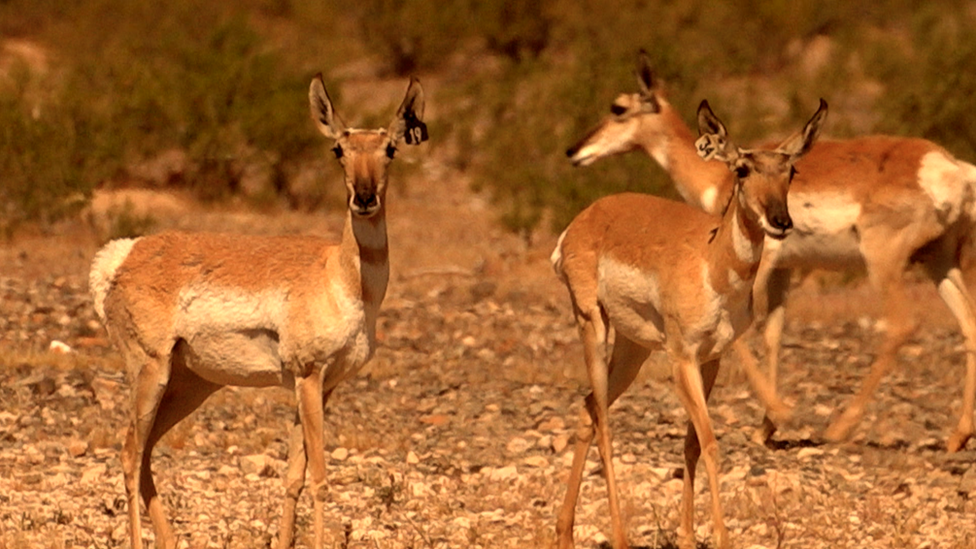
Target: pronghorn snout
[365,203]
[780,222]
[571,152]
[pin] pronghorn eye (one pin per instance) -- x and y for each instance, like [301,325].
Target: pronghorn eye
[337,150]
[390,151]
[742,172]
[617,110]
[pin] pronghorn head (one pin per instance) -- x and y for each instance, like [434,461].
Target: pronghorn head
[633,116]
[365,154]
[762,176]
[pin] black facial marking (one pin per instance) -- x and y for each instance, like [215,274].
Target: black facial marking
[390,151]
[618,110]
[338,151]
[793,173]
[742,172]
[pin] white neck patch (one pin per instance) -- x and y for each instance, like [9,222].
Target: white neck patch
[744,248]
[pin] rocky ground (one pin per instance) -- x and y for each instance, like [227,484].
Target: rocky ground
[459,433]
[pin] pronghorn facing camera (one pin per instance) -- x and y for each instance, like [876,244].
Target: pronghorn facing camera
[879,202]
[667,276]
[191,313]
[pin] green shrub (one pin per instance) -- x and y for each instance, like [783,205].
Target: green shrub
[929,85]
[515,83]
[48,159]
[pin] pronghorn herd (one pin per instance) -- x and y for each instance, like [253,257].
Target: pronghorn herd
[194,312]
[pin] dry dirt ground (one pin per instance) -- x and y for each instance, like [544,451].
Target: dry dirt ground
[459,433]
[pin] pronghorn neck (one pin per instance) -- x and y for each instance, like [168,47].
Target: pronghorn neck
[735,249]
[706,185]
[365,255]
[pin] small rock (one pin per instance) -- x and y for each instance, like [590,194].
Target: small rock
[226,471]
[340,454]
[502,474]
[967,485]
[559,443]
[94,473]
[60,347]
[412,458]
[517,446]
[555,423]
[77,448]
[256,464]
[805,453]
[536,461]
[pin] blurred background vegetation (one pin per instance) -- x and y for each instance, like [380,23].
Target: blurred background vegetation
[210,96]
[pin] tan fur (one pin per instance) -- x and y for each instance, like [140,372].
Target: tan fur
[876,202]
[666,276]
[194,312]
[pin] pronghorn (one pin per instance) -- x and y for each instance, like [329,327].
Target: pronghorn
[667,276]
[879,203]
[192,313]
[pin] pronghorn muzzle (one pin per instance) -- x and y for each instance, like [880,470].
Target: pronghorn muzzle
[780,221]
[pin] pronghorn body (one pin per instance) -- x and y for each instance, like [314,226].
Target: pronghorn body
[878,202]
[632,283]
[192,313]
[253,311]
[664,275]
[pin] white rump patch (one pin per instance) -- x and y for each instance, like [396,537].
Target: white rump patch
[107,261]
[557,257]
[943,180]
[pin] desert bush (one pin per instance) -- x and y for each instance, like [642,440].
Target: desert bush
[48,158]
[520,81]
[929,81]
[187,76]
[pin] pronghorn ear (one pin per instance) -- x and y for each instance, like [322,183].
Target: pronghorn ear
[645,76]
[646,83]
[323,113]
[714,142]
[408,123]
[800,143]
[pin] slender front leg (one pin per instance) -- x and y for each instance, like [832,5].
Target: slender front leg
[312,414]
[294,483]
[953,291]
[693,388]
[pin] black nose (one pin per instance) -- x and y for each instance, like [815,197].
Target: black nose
[782,221]
[365,201]
[570,152]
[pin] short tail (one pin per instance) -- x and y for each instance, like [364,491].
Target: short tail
[103,270]
[557,258]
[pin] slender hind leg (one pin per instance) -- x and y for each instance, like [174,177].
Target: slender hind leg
[185,392]
[884,256]
[148,385]
[624,365]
